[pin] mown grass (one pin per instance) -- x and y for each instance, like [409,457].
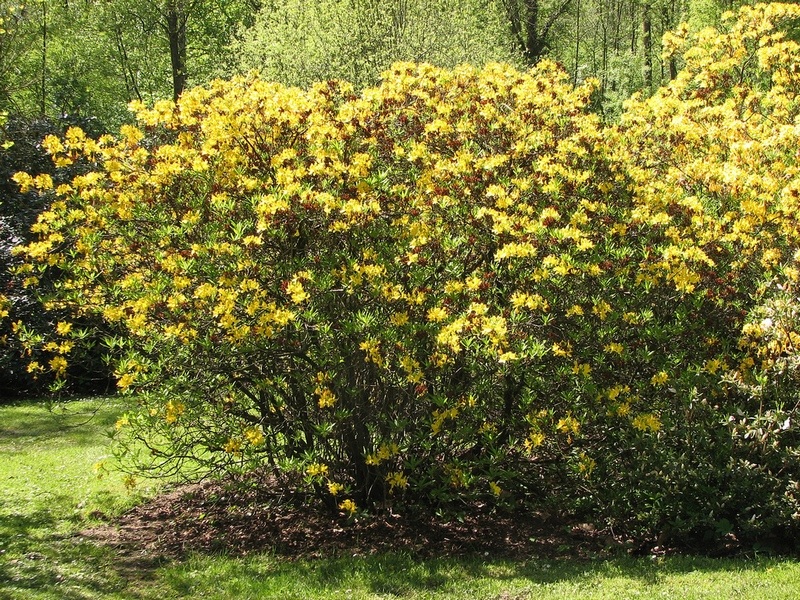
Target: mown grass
[49,490]
[400,576]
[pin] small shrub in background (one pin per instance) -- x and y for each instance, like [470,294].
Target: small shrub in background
[21,311]
[458,285]
[713,158]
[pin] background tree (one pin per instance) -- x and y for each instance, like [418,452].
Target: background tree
[532,24]
[90,59]
[298,42]
[18,42]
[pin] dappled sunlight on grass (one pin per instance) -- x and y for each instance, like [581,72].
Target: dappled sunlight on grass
[49,492]
[78,422]
[389,576]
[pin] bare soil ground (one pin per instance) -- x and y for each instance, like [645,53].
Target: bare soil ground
[210,517]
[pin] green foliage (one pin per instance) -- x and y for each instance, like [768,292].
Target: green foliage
[16,39]
[91,60]
[459,284]
[298,42]
[21,312]
[714,156]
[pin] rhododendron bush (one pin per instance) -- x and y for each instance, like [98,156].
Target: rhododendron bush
[459,284]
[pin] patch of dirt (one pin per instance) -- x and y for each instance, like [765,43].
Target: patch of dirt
[209,517]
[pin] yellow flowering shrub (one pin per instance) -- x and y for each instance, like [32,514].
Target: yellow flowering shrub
[458,283]
[36,351]
[712,160]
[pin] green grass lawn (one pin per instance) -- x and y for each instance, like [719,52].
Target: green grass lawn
[49,490]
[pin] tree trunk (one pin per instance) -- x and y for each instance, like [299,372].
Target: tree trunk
[529,27]
[43,82]
[534,45]
[647,42]
[577,41]
[176,30]
[670,23]
[129,77]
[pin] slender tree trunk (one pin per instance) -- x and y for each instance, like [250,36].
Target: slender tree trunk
[534,45]
[131,85]
[176,30]
[43,83]
[577,40]
[604,70]
[670,16]
[647,42]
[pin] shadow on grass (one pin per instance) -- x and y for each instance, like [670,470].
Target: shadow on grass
[76,423]
[38,562]
[401,575]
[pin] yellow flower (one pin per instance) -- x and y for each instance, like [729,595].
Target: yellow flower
[715,364]
[295,290]
[372,349]
[63,328]
[568,425]
[233,446]
[317,470]
[24,181]
[437,314]
[348,506]
[326,397]
[505,357]
[495,328]
[453,287]
[496,489]
[534,440]
[582,369]
[601,309]
[399,318]
[586,464]
[254,435]
[174,410]
[474,283]
[647,422]
[574,310]
[659,378]
[615,391]
[558,350]
[126,380]
[58,364]
[397,480]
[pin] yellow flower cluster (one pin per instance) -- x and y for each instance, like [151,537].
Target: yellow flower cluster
[5,306]
[384,453]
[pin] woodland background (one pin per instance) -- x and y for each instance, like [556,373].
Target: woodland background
[88,59]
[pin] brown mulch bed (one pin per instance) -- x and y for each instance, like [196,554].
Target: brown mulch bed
[209,517]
